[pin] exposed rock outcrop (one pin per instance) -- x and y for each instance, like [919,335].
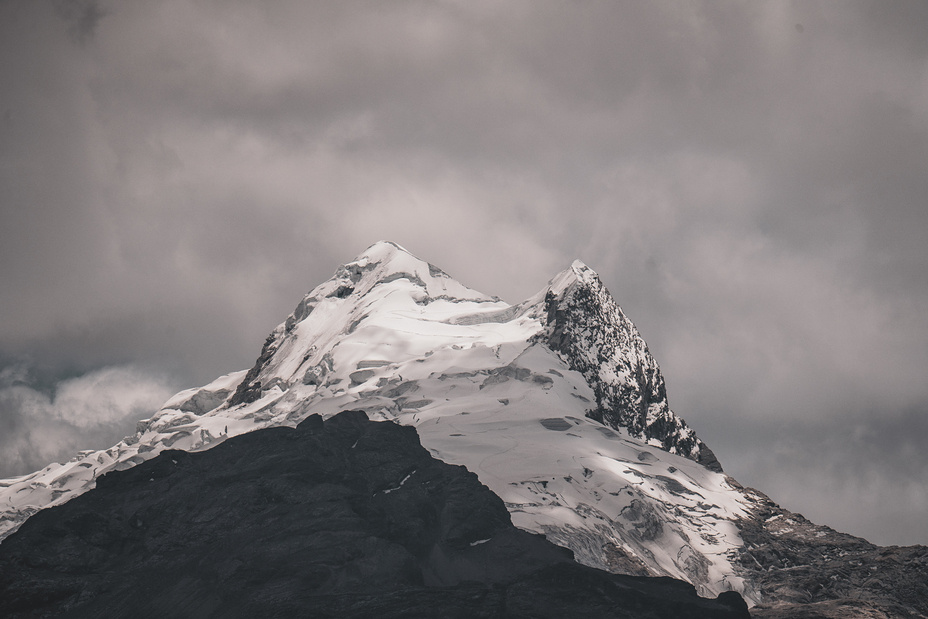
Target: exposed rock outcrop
[810,571]
[588,328]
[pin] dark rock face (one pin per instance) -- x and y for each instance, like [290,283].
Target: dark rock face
[249,390]
[810,571]
[342,518]
[590,331]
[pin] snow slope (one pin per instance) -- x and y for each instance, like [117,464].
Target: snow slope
[555,403]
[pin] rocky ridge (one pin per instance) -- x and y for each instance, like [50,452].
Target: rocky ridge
[590,331]
[807,570]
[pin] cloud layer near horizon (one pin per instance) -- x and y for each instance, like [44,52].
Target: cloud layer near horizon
[748,178]
[51,424]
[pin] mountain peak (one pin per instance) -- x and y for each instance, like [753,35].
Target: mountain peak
[393,258]
[390,291]
[384,249]
[586,326]
[390,256]
[385,262]
[580,268]
[576,273]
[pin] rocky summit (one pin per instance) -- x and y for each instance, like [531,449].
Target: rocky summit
[337,518]
[555,404]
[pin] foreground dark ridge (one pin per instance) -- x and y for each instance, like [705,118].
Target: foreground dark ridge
[342,518]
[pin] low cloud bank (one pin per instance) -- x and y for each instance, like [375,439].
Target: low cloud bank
[52,422]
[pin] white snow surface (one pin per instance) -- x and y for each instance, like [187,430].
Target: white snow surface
[398,338]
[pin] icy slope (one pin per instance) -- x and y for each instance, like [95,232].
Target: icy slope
[555,403]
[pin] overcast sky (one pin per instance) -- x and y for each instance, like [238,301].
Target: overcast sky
[750,180]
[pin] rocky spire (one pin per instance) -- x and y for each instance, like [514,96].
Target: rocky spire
[591,332]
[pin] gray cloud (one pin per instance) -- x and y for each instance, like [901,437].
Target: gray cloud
[82,17]
[176,174]
[45,422]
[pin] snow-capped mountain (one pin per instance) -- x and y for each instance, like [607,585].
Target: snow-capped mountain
[555,403]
